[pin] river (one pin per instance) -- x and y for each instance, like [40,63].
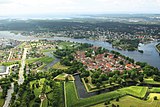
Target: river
[150,55]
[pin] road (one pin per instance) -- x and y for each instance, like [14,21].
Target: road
[9,55]
[21,71]
[9,96]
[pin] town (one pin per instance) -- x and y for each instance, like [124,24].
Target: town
[90,71]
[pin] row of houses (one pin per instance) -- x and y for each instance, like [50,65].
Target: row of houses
[107,64]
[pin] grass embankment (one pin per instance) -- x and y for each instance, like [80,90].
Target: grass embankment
[150,81]
[74,101]
[92,88]
[1,100]
[48,50]
[63,76]
[155,90]
[60,66]
[68,45]
[10,63]
[129,101]
[136,91]
[45,103]
[45,60]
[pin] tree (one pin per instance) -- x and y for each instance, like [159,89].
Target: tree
[86,80]
[37,100]
[117,99]
[36,104]
[104,77]
[96,75]
[156,78]
[110,80]
[98,85]
[107,102]
[106,55]
[155,98]
[66,79]
[119,80]
[121,62]
[141,78]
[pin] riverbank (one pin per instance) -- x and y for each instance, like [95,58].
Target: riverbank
[150,55]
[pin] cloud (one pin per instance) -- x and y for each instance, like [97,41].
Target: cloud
[21,7]
[5,1]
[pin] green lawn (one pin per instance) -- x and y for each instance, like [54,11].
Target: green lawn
[45,60]
[155,90]
[45,103]
[1,100]
[129,101]
[31,103]
[9,63]
[71,94]
[64,45]
[151,81]
[74,101]
[59,66]
[61,77]
[137,91]
[48,50]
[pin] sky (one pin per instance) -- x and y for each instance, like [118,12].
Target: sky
[66,7]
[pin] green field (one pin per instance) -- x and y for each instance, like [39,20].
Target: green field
[137,91]
[1,100]
[151,81]
[48,50]
[129,101]
[60,66]
[71,94]
[155,90]
[61,77]
[9,63]
[74,101]
[64,45]
[45,103]
[45,60]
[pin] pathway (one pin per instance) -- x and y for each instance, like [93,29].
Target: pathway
[10,54]
[21,71]
[9,96]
